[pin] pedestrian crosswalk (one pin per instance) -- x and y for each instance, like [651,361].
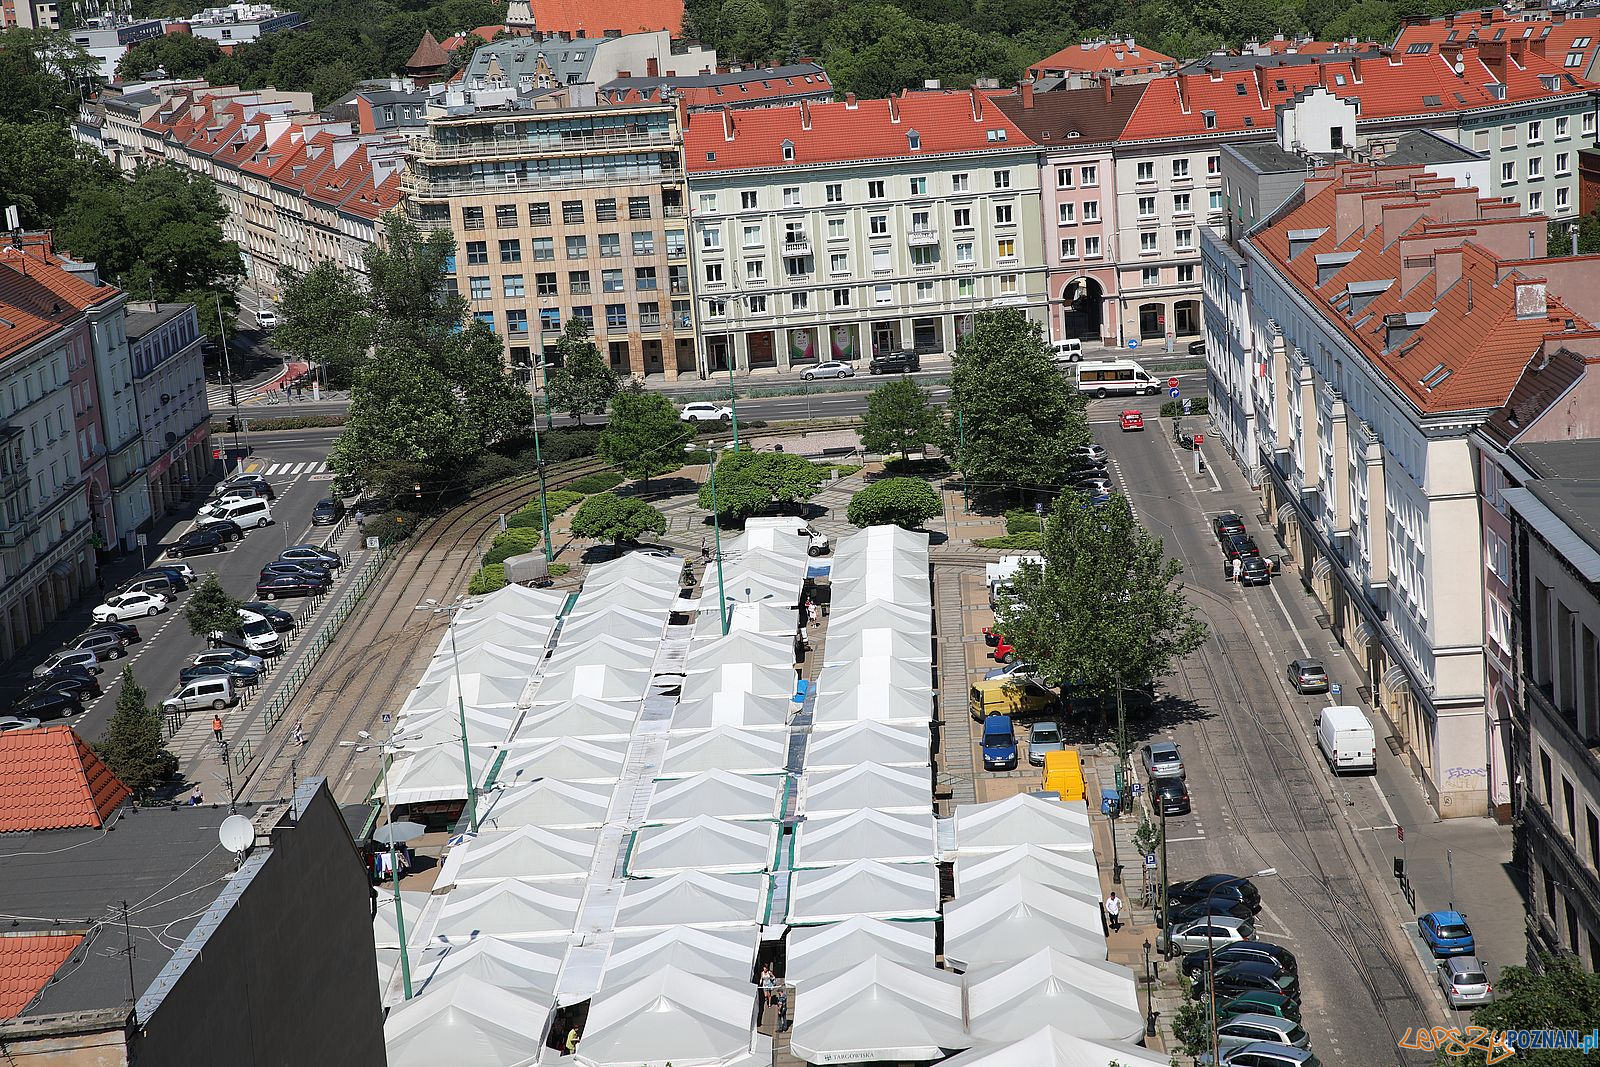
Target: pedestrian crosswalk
[285,470]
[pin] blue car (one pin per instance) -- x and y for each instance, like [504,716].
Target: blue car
[1446,934]
[999,744]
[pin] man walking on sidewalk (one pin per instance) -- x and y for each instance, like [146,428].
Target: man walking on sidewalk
[1114,910]
[216,728]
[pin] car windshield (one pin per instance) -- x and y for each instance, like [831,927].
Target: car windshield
[1469,978]
[1046,735]
[1164,757]
[259,628]
[1453,930]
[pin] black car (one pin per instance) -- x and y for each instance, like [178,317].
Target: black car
[297,568]
[1237,546]
[327,512]
[896,362]
[288,585]
[205,539]
[1217,885]
[47,704]
[125,630]
[175,579]
[1197,348]
[65,670]
[1188,909]
[239,672]
[80,687]
[1245,976]
[1241,952]
[1170,796]
[281,620]
[1226,525]
[1253,570]
[246,481]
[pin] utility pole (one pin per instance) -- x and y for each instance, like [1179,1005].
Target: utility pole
[544,510]
[961,446]
[716,531]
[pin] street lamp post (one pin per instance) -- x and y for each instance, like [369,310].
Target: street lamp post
[433,606]
[384,748]
[716,532]
[1150,993]
[544,510]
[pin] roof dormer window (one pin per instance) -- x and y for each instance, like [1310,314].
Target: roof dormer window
[788,151]
[914,140]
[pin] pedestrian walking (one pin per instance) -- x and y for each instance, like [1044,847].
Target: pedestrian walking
[361,518]
[783,1009]
[299,732]
[814,612]
[572,1041]
[1114,910]
[1238,567]
[769,984]
[195,799]
[216,727]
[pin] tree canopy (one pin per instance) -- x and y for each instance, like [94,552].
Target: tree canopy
[133,745]
[643,436]
[210,609]
[608,517]
[907,502]
[748,482]
[583,383]
[900,418]
[1560,995]
[326,320]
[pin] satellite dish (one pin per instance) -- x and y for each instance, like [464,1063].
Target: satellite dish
[237,833]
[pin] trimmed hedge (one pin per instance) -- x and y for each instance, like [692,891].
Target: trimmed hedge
[1023,520]
[514,542]
[1030,542]
[287,422]
[595,483]
[487,580]
[1173,409]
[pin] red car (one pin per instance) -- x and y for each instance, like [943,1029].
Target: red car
[1133,419]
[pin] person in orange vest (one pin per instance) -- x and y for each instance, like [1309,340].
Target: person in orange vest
[216,727]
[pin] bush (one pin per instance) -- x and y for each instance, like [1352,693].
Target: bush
[907,502]
[555,501]
[514,542]
[559,500]
[492,467]
[1173,409]
[559,446]
[288,422]
[488,580]
[608,517]
[1026,542]
[595,483]
[727,427]
[1022,520]
[558,569]
[698,456]
[391,525]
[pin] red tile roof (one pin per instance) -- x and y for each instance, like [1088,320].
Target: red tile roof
[50,779]
[589,18]
[756,87]
[1092,57]
[1387,87]
[484,33]
[429,55]
[27,962]
[1570,43]
[37,295]
[1463,341]
[945,122]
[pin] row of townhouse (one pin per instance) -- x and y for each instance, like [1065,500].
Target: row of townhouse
[103,425]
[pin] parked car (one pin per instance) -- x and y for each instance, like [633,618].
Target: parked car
[47,704]
[1204,933]
[327,512]
[1197,348]
[1259,951]
[999,744]
[1269,1054]
[103,645]
[288,585]
[1238,978]
[1256,1026]
[299,568]
[312,554]
[1217,885]
[130,605]
[1092,452]
[1253,570]
[1170,796]
[281,621]
[705,411]
[1226,525]
[1161,760]
[257,482]
[1017,668]
[229,655]
[125,630]
[1238,546]
[181,575]
[1132,419]
[897,361]
[13,722]
[83,687]
[1446,934]
[267,318]
[1260,1002]
[183,570]
[1003,651]
[241,674]
[1308,676]
[1463,981]
[81,658]
[1183,911]
[175,582]
[829,368]
[82,674]
[213,538]
[1044,736]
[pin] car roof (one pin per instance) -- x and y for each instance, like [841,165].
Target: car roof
[1253,1018]
[1219,919]
[1462,963]
[1287,1052]
[1307,663]
[1446,918]
[1170,784]
[1162,746]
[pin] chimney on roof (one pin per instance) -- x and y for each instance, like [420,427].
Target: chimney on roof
[1493,55]
[652,68]
[1531,300]
[1261,84]
[727,124]
[1182,83]
[1537,45]
[894,108]
[1355,69]
[977,105]
[1026,89]
[805,114]
[1451,52]
[1515,49]
[1105,86]
[849,101]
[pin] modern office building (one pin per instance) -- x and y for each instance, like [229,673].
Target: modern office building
[839,230]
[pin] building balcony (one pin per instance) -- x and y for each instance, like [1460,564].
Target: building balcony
[650,320]
[797,246]
[14,534]
[582,288]
[921,236]
[430,149]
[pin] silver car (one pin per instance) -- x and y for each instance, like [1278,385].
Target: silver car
[72,657]
[832,368]
[1218,931]
[1463,981]
[1162,760]
[1249,1028]
[1044,736]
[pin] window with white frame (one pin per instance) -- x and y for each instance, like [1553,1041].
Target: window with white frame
[1063,177]
[833,193]
[799,301]
[1069,248]
[839,263]
[875,190]
[841,298]
[924,255]
[1587,120]
[1180,169]
[1563,126]
[883,294]
[919,187]
[716,309]
[961,218]
[1091,247]
[1002,179]
[1563,198]
[757,304]
[1089,176]
[752,236]
[1213,165]
[964,253]
[1508,172]
[1180,204]
[1497,554]
[880,261]
[878,225]
[711,238]
[1002,214]
[1536,132]
[1186,273]
[1147,244]
[1215,201]
[1499,618]
[1091,211]
[1536,201]
[754,270]
[748,200]
[921,220]
[1535,169]
[1183,239]
[1005,248]
[1563,164]
[1149,276]
[791,196]
[924,291]
[708,201]
[960,183]
[714,273]
[966,288]
[1145,171]
[1066,214]
[836,229]
[1008,285]
[1147,207]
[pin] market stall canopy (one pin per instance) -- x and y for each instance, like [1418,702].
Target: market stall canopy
[692,898]
[476,690]
[887,744]
[865,887]
[875,704]
[704,843]
[718,793]
[618,622]
[741,556]
[880,642]
[904,591]
[545,802]
[913,622]
[821,951]
[466,1023]
[509,908]
[527,968]
[740,751]
[436,774]
[630,593]
[636,566]
[727,953]
[732,709]
[875,674]
[425,729]
[612,651]
[1091,998]
[598,681]
[748,587]
[864,834]
[762,617]
[529,852]
[1017,918]
[977,872]
[580,717]
[879,1010]
[867,785]
[674,1016]
[740,678]
[384,932]
[851,568]
[512,602]
[566,759]
[883,541]
[528,635]
[1052,1046]
[1023,820]
[739,648]
[494,660]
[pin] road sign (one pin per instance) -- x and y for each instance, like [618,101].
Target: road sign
[1172,383]
[388,717]
[1199,439]
[1400,832]
[1334,689]
[372,542]
[1133,344]
[141,541]
[1186,406]
[1138,787]
[1149,861]
[1173,393]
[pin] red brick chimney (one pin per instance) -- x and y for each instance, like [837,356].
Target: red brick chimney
[1026,89]
[894,108]
[977,105]
[1355,69]
[1493,54]
[652,69]
[805,114]
[849,101]
[1105,85]
[1182,82]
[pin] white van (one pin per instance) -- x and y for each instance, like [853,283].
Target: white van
[1067,350]
[212,691]
[1113,377]
[255,634]
[247,513]
[1345,736]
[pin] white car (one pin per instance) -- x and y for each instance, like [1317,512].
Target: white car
[266,318]
[12,722]
[832,368]
[210,510]
[130,606]
[705,411]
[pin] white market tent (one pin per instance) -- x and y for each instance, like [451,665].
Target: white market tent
[913,622]
[740,678]
[740,555]
[1074,871]
[566,759]
[631,593]
[750,587]
[425,729]
[1090,998]
[439,693]
[637,566]
[772,534]
[864,834]
[693,899]
[875,674]
[875,643]
[528,635]
[527,968]
[717,793]
[618,622]
[509,908]
[761,617]
[906,592]
[436,774]
[727,953]
[531,853]
[899,565]
[674,1016]
[599,681]
[1053,1046]
[741,647]
[512,602]
[820,951]
[489,658]
[740,751]
[868,785]
[883,540]
[545,802]
[1022,820]
[704,843]
[875,704]
[879,1010]
[581,717]
[886,744]
[1015,919]
[613,651]
[732,709]
[466,1023]
[384,932]
[865,887]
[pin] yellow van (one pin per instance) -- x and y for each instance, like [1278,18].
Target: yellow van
[1063,774]
[1007,696]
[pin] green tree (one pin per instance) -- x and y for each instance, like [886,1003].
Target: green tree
[643,436]
[325,321]
[750,481]
[408,301]
[1560,995]
[1191,1026]
[746,28]
[584,383]
[900,418]
[402,411]
[42,168]
[608,517]
[42,71]
[907,502]
[1560,235]
[211,609]
[1107,609]
[181,55]
[494,406]
[133,745]
[1017,417]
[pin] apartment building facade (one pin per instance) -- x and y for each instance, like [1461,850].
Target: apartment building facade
[169,390]
[563,210]
[840,230]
